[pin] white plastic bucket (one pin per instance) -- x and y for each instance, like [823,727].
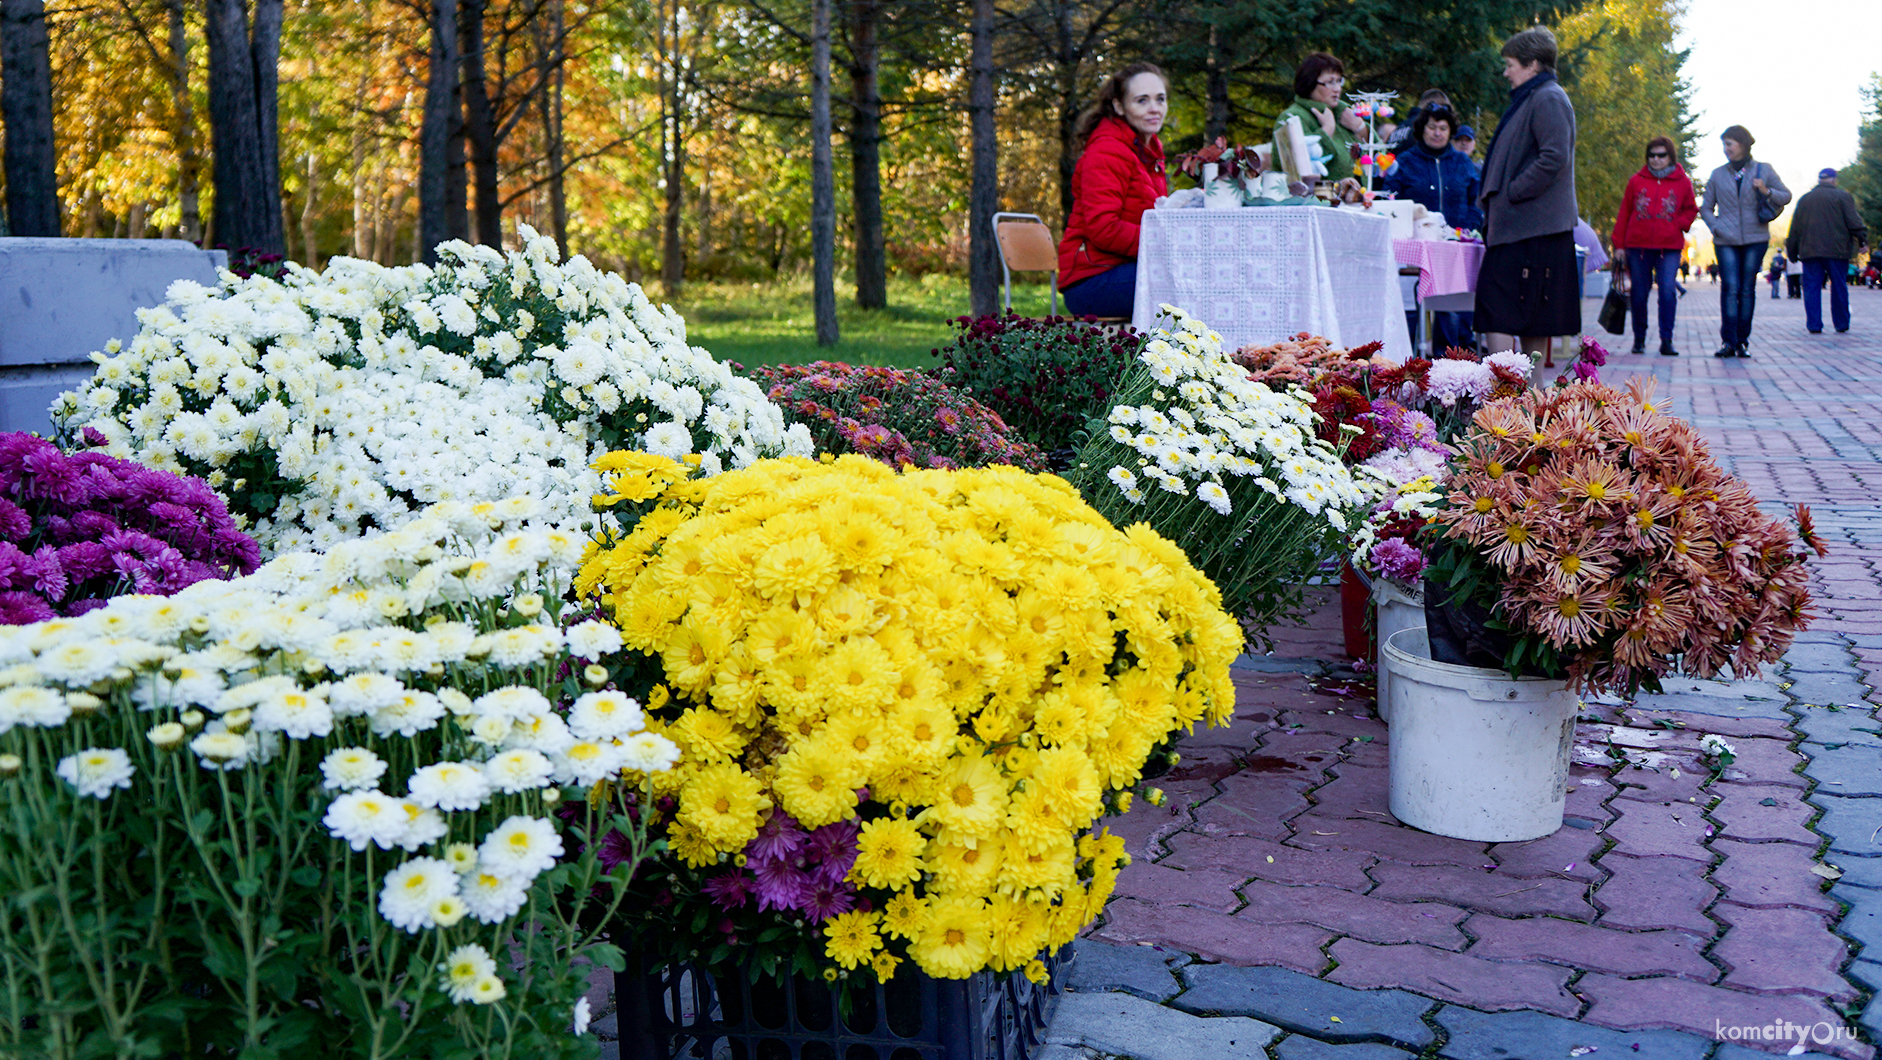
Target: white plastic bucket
[1392,610]
[1475,754]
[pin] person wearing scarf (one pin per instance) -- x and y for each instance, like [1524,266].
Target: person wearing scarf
[1730,209]
[1650,231]
[1529,289]
[1442,179]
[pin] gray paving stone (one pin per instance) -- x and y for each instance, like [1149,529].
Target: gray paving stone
[1867,971]
[1871,1019]
[1734,1051]
[606,1027]
[610,1051]
[1862,921]
[1815,656]
[1850,822]
[1821,725]
[1306,1005]
[1122,1025]
[1142,971]
[1063,1052]
[1848,770]
[1859,871]
[1269,665]
[1300,1047]
[1822,689]
[1724,706]
[1533,1035]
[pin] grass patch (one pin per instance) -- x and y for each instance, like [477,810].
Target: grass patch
[772,323]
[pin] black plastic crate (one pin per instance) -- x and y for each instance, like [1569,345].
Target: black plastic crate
[686,1012]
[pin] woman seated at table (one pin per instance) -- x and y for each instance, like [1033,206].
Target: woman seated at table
[1317,87]
[1119,176]
[1442,179]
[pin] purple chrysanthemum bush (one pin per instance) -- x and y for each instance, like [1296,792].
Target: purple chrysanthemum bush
[79,528]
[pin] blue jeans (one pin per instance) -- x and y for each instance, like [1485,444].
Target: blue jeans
[1453,329]
[1816,270]
[1644,268]
[1111,293]
[1738,290]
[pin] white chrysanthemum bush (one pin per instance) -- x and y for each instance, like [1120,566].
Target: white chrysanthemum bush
[1227,468]
[341,807]
[332,404]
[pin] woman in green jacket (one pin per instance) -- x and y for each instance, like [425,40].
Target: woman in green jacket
[1318,84]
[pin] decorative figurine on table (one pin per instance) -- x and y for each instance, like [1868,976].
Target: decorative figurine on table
[1373,107]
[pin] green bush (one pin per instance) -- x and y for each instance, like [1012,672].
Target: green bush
[1045,377]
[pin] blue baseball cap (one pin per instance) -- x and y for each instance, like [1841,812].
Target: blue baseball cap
[1826,173]
[1464,132]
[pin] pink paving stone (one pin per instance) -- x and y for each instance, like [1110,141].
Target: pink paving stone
[1646,829]
[1591,948]
[1198,770]
[1250,856]
[1310,750]
[1147,827]
[1747,727]
[1495,986]
[1239,735]
[1741,813]
[1781,951]
[1354,792]
[1588,789]
[1216,937]
[1366,754]
[1480,890]
[1252,804]
[1637,737]
[1767,762]
[1409,846]
[1569,853]
[1339,722]
[1769,875]
[1353,914]
[1659,784]
[1646,893]
[1696,1008]
[1202,888]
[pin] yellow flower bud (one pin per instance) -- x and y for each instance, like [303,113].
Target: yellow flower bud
[10,765]
[238,721]
[595,674]
[83,704]
[167,737]
[551,796]
[1124,802]
[1154,796]
[192,720]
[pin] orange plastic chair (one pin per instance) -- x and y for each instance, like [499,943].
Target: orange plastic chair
[1026,245]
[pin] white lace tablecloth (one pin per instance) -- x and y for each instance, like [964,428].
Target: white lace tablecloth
[1263,274]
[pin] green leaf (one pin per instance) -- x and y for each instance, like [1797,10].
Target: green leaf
[248,887]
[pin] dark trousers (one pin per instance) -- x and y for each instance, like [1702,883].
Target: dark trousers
[1794,282]
[1738,290]
[1111,293]
[1816,270]
[1644,269]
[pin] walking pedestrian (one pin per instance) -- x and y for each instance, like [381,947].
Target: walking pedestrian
[1826,232]
[1742,198]
[1650,231]
[1776,272]
[1794,277]
[1528,289]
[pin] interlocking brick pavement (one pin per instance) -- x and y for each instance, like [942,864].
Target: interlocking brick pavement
[1673,902]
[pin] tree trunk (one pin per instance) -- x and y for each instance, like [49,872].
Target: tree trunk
[872,267]
[822,178]
[434,136]
[480,126]
[1217,122]
[32,173]
[983,200]
[243,123]
[672,153]
[457,220]
[310,217]
[189,159]
[1065,64]
[552,128]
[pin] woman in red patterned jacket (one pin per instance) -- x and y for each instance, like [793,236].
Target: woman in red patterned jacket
[1650,232]
[1119,176]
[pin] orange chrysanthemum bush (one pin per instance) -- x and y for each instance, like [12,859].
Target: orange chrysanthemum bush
[903,702]
[1604,545]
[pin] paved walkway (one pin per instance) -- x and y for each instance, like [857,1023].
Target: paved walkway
[1276,907]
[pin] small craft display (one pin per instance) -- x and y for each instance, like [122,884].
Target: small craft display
[1373,107]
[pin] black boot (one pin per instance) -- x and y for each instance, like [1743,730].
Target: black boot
[1728,350]
[1667,350]
[1640,346]
[1744,349]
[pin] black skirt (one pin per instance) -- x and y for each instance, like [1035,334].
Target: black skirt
[1530,288]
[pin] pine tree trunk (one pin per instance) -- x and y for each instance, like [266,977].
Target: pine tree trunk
[457,219]
[243,122]
[480,126]
[552,129]
[822,179]
[672,154]
[310,216]
[434,136]
[872,267]
[189,159]
[983,200]
[32,174]
[1066,70]
[1217,122]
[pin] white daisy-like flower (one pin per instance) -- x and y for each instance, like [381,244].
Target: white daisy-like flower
[511,703]
[580,1024]
[606,715]
[413,889]
[221,750]
[521,848]
[351,769]
[296,714]
[669,439]
[648,752]
[462,856]
[363,693]
[463,968]
[413,712]
[97,771]
[593,639]
[358,818]
[1212,494]
[1123,478]
[33,705]
[78,663]
[587,761]
[423,826]
[519,770]
[492,898]
[449,786]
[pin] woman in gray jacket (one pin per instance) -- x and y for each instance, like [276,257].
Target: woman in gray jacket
[1733,196]
[1528,288]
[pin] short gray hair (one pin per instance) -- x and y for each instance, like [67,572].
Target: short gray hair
[1533,45]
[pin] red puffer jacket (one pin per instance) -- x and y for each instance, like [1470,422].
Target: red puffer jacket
[1655,211]
[1115,182]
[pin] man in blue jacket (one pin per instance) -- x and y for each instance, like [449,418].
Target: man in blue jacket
[1442,179]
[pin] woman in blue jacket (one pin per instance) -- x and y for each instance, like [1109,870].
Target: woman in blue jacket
[1439,177]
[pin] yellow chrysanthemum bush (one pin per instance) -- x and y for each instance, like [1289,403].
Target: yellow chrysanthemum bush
[903,701]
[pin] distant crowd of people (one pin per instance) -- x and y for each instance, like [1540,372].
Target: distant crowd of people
[1521,198]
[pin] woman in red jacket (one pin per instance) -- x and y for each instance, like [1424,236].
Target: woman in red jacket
[1650,231]
[1119,176]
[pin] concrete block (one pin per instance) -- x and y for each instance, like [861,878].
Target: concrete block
[1495,1035]
[1305,1005]
[1144,971]
[1122,1025]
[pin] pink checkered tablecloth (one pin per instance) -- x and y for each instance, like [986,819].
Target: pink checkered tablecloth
[1443,267]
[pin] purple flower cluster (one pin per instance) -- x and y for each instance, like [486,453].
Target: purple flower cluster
[787,867]
[78,528]
[1398,559]
[1400,427]
[894,415]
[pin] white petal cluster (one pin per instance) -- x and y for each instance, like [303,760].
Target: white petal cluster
[355,397]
